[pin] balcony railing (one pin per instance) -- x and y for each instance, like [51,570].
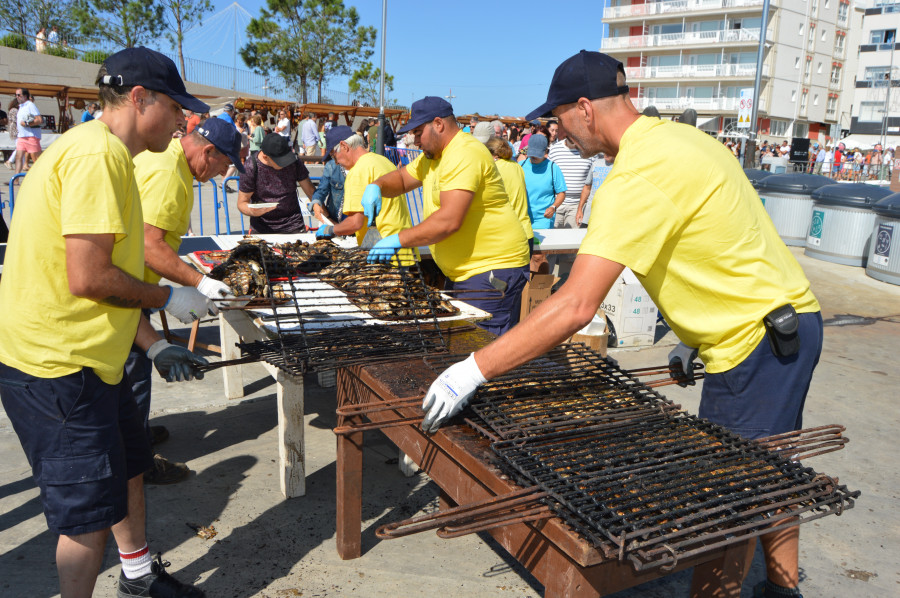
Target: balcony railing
[674,6]
[678,39]
[840,52]
[694,70]
[834,85]
[683,103]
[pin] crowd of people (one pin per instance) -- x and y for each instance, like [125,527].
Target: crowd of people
[120,190]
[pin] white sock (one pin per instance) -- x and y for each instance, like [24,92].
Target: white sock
[136,564]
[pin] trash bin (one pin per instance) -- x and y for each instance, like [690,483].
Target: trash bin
[755,175]
[840,227]
[884,252]
[788,202]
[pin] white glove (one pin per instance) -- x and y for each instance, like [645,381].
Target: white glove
[450,393]
[682,357]
[214,289]
[188,304]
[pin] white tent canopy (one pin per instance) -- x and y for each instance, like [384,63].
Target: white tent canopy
[867,142]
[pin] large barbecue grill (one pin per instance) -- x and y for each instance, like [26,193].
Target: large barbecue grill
[640,481]
[326,307]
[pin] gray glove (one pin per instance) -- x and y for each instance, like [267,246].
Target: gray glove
[681,362]
[175,363]
[188,304]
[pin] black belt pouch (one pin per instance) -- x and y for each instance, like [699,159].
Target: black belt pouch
[782,325]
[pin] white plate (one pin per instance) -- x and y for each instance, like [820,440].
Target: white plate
[264,205]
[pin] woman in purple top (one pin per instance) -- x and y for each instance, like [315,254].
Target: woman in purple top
[272,177]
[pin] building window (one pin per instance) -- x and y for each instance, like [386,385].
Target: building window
[831,105]
[801,129]
[794,95]
[803,100]
[824,35]
[877,73]
[816,100]
[881,36]
[807,68]
[819,69]
[827,2]
[839,43]
[800,29]
[835,75]
[778,128]
[871,111]
[843,9]
[797,63]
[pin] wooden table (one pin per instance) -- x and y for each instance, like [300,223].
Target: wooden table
[461,463]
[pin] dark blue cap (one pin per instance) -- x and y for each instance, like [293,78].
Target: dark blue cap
[334,136]
[225,137]
[150,69]
[590,75]
[426,110]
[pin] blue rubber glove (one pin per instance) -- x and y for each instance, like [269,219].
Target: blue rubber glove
[385,249]
[326,231]
[371,201]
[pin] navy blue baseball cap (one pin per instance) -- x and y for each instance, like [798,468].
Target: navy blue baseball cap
[590,75]
[225,137]
[426,110]
[334,136]
[148,68]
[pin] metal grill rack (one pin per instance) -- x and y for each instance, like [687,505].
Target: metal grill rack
[669,487]
[343,311]
[568,388]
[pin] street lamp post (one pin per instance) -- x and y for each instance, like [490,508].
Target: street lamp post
[381,121]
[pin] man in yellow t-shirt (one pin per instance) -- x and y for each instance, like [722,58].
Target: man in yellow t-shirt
[349,151]
[166,184]
[701,243]
[470,226]
[69,311]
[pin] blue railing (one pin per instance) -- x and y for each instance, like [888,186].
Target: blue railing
[414,199]
[12,194]
[224,206]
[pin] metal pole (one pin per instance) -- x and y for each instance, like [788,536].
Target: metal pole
[887,97]
[760,54]
[380,143]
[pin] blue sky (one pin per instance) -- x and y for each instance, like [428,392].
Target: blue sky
[495,56]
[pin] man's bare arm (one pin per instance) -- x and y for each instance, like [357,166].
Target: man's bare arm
[554,320]
[307,187]
[146,335]
[159,257]
[92,275]
[349,225]
[397,183]
[442,223]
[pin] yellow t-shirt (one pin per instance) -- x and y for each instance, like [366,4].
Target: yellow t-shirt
[514,181]
[83,184]
[167,194]
[490,236]
[679,212]
[394,215]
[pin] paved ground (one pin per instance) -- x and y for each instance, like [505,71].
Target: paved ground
[268,547]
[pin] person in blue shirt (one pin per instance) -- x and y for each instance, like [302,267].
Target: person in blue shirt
[228,114]
[544,183]
[328,200]
[89,110]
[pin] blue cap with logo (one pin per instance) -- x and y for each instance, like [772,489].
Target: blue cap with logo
[426,110]
[590,75]
[148,68]
[334,136]
[537,146]
[225,137]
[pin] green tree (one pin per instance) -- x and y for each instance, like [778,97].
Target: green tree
[181,17]
[306,40]
[336,41]
[365,84]
[126,23]
[27,16]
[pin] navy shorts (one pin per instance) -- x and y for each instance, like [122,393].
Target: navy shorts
[765,394]
[84,440]
[505,310]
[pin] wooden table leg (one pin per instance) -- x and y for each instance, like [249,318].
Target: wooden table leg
[291,457]
[234,382]
[349,495]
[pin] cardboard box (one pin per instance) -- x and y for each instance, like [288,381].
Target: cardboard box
[537,290]
[631,312]
[595,342]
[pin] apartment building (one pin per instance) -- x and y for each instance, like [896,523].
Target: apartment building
[876,97]
[700,54]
